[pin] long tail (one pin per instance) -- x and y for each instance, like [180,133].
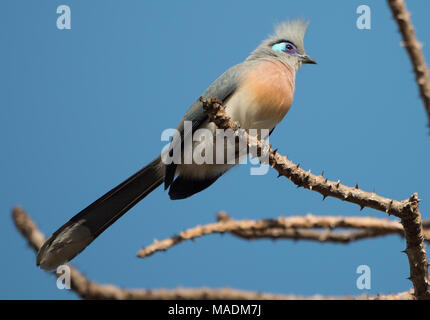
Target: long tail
[76,234]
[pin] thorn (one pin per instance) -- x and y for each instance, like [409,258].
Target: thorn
[361,207]
[298,165]
[279,175]
[356,186]
[413,197]
[406,251]
[275,150]
[324,196]
[338,183]
[389,208]
[322,173]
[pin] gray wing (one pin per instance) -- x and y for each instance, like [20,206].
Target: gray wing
[221,88]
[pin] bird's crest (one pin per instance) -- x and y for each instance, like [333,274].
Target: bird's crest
[293,30]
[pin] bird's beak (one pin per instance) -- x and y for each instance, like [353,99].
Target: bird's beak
[308,60]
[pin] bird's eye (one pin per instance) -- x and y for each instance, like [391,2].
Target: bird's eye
[287,47]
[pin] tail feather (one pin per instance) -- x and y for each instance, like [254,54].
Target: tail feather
[76,234]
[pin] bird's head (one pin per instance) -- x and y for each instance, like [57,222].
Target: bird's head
[285,45]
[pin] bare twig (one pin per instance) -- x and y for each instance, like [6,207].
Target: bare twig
[368,228]
[407,210]
[296,228]
[87,289]
[413,47]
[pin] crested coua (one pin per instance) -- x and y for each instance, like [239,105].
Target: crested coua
[257,94]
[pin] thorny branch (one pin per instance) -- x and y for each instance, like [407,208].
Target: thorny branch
[88,289]
[407,210]
[413,47]
[295,228]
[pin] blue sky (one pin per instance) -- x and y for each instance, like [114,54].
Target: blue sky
[83,109]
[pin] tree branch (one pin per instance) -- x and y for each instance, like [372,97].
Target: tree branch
[413,47]
[87,289]
[296,228]
[407,210]
[306,179]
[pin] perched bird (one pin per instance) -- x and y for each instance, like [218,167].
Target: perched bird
[257,94]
